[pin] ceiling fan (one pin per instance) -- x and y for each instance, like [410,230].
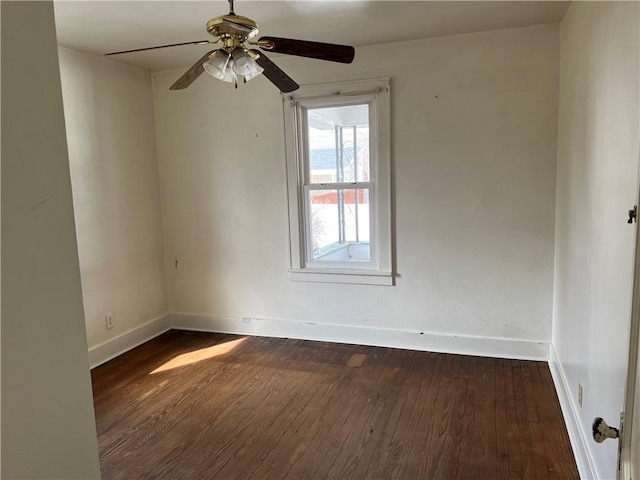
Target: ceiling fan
[235,59]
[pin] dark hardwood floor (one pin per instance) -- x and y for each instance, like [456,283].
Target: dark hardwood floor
[190,405]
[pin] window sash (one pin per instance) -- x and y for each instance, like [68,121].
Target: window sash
[304,164]
[309,262]
[301,107]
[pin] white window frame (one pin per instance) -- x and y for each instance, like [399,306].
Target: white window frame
[375,93]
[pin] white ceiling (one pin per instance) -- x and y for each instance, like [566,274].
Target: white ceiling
[99,27]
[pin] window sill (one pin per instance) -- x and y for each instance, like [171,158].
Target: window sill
[357,277]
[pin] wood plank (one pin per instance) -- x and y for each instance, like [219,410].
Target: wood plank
[289,401]
[514,428]
[471,454]
[522,415]
[487,421]
[284,408]
[385,461]
[502,434]
[529,383]
[538,436]
[430,369]
[557,446]
[250,449]
[231,402]
[357,448]
[354,444]
[451,462]
[285,451]
[356,360]
[441,443]
[334,427]
[395,452]
[535,402]
[391,392]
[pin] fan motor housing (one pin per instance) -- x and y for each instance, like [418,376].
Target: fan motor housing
[232,25]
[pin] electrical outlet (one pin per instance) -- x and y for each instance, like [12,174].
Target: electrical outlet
[580,394]
[110,323]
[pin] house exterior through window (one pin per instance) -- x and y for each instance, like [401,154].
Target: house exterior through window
[338,177]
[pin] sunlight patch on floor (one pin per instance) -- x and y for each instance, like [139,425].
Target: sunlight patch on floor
[199,355]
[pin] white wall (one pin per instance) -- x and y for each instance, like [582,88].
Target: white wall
[474,153]
[48,426]
[116,192]
[597,184]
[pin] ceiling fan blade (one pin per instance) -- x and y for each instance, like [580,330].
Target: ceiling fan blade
[190,75]
[305,48]
[199,42]
[276,76]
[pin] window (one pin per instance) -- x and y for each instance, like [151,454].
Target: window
[338,177]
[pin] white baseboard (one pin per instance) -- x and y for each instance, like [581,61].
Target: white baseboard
[366,335]
[113,347]
[577,435]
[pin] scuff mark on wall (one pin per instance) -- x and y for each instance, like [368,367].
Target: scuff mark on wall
[39,204]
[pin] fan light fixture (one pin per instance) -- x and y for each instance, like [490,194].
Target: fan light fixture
[236,58]
[216,65]
[243,64]
[257,71]
[228,68]
[229,74]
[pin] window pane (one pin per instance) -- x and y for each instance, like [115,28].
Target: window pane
[338,144]
[340,225]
